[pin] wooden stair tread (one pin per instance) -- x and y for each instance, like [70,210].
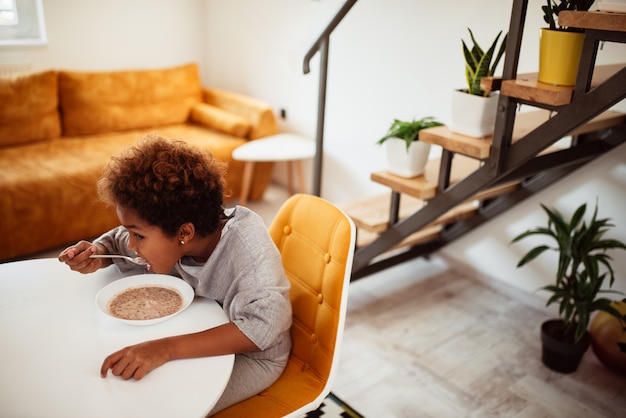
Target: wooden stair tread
[372,213]
[425,186]
[365,237]
[528,87]
[593,20]
[525,122]
[496,191]
[442,135]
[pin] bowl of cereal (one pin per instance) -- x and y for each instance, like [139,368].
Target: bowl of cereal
[144,299]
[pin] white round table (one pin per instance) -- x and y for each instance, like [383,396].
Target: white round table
[54,340]
[287,147]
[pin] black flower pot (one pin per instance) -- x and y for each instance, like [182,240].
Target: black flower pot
[560,352]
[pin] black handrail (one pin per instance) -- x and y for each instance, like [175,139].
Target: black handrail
[321,45]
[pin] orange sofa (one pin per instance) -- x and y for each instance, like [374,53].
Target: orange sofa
[58,129]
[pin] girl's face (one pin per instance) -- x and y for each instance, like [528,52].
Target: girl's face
[149,242]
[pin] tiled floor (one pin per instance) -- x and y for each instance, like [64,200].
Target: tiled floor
[427,340]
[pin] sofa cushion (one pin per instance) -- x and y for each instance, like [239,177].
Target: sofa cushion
[29,109]
[220,119]
[109,101]
[259,113]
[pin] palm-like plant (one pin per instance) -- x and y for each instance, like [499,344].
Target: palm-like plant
[551,11]
[478,62]
[408,131]
[582,267]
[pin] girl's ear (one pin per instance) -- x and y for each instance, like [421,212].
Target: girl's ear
[186,232]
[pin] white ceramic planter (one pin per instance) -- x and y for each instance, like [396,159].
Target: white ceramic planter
[473,115]
[406,164]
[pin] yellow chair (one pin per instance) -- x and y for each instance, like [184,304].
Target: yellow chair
[316,241]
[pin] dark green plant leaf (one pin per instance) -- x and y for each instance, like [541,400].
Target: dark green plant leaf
[552,10]
[532,254]
[499,56]
[478,63]
[537,231]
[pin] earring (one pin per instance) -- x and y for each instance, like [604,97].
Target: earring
[182,242]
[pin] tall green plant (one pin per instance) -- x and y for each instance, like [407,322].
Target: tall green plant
[478,62]
[582,267]
[551,12]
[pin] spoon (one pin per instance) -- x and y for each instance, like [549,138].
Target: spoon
[136,260]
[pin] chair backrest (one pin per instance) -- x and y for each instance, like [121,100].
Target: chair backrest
[316,241]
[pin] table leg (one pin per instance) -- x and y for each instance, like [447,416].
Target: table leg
[300,174]
[290,177]
[248,168]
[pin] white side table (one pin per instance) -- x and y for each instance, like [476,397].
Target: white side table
[291,148]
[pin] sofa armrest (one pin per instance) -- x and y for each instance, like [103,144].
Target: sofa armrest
[261,116]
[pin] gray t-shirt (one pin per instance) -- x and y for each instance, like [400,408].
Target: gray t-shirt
[244,274]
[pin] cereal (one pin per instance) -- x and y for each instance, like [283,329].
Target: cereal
[145,302]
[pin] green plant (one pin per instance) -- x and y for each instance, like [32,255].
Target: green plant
[408,131]
[582,267]
[478,62]
[551,12]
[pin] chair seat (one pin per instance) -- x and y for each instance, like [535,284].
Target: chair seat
[297,386]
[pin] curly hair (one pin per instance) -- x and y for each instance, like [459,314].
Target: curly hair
[166,183]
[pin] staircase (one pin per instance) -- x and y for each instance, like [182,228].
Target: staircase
[476,179]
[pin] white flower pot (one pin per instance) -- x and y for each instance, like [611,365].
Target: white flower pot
[406,164]
[473,115]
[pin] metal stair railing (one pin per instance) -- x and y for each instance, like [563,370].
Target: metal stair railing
[321,45]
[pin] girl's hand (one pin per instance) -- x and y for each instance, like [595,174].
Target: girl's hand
[77,257]
[136,361]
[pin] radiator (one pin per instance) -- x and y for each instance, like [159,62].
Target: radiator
[14,68]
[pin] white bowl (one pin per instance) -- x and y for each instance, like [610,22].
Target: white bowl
[112,289]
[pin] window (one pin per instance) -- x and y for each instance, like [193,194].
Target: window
[8,12]
[22,22]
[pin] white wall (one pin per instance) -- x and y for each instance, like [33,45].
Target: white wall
[115,34]
[388,59]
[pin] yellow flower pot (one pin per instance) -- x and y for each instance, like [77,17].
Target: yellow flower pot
[559,54]
[606,334]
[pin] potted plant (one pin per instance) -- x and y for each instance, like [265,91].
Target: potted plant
[406,156]
[474,110]
[583,267]
[560,47]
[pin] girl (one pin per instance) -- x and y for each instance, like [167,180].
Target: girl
[169,200]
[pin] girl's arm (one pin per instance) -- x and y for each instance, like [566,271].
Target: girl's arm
[138,360]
